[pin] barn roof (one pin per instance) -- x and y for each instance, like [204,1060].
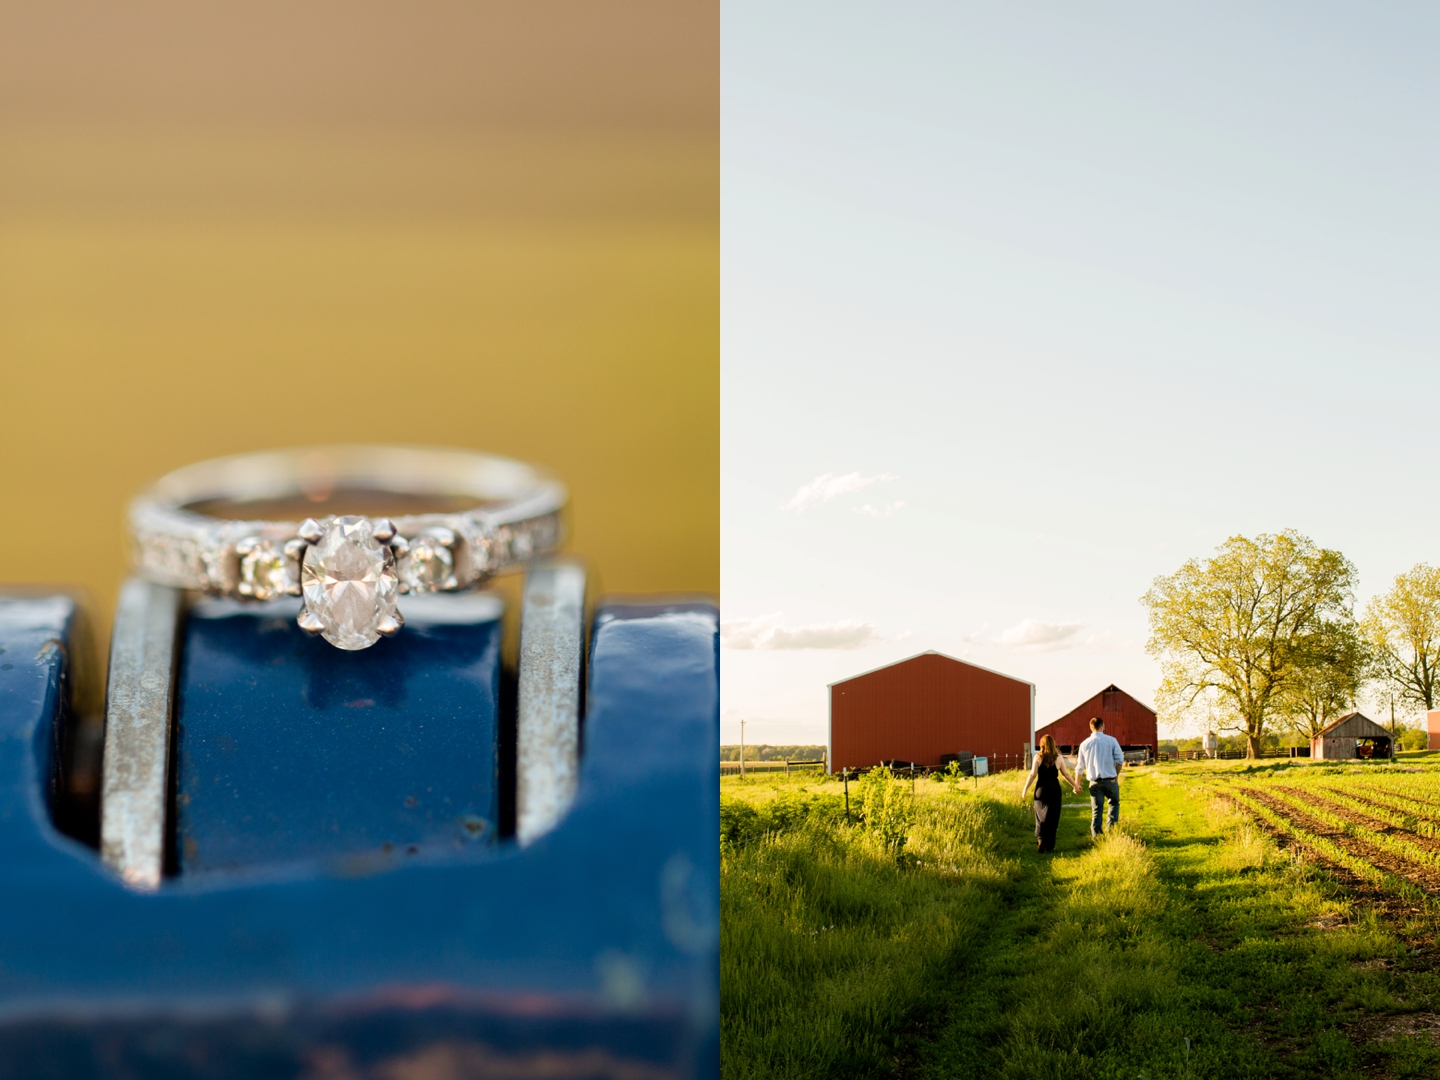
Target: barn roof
[932,652]
[1112,688]
[1354,726]
[1078,708]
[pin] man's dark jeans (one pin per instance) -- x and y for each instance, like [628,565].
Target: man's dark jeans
[1100,790]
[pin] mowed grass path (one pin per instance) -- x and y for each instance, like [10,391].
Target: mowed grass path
[1188,945]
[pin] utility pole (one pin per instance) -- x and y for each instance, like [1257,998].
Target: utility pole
[742,747]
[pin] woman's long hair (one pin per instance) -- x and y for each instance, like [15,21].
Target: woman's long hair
[1048,753]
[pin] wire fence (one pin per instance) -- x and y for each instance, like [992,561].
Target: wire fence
[993,763]
[1235,755]
[732,768]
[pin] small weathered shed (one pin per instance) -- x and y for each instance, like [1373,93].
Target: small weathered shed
[1344,738]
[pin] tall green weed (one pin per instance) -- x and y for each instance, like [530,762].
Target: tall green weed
[830,944]
[886,806]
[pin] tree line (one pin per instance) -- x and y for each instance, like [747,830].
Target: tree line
[766,752]
[1264,635]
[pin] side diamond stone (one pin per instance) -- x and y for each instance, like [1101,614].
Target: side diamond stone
[265,570]
[429,564]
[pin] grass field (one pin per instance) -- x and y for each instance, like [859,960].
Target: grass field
[1247,921]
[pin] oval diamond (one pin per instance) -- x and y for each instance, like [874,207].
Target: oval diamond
[349,583]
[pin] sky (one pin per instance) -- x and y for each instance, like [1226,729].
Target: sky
[1025,305]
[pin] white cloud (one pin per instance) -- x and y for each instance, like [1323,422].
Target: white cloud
[1038,636]
[827,486]
[769,632]
[882,511]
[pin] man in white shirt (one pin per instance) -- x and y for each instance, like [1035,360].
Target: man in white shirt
[1101,759]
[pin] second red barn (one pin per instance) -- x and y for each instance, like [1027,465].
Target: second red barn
[1126,720]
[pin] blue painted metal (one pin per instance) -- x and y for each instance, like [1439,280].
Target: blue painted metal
[35,682]
[592,953]
[289,748]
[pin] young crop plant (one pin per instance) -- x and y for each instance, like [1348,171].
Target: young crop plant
[1325,848]
[1353,818]
[1423,809]
[1367,805]
[1320,811]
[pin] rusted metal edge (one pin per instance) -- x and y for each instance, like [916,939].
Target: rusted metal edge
[547,732]
[138,704]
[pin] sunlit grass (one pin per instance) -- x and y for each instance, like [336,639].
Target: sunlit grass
[831,938]
[1185,944]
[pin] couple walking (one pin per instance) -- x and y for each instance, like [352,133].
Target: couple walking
[1100,759]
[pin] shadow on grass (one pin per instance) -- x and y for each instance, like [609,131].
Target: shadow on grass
[834,938]
[1186,945]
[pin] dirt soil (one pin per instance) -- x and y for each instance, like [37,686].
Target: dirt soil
[1394,907]
[1422,808]
[1349,813]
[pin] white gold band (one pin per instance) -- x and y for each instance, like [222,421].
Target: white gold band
[516,517]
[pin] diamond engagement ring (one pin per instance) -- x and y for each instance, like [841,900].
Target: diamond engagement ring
[471,515]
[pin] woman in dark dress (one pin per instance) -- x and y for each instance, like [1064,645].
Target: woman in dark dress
[1045,770]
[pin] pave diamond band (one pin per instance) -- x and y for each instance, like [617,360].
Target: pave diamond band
[350,568]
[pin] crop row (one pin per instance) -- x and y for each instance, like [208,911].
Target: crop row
[1390,874]
[1425,813]
[1359,865]
[1413,793]
[1324,810]
[1373,843]
[1422,788]
[1377,806]
[1322,846]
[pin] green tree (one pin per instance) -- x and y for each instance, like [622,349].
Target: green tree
[1410,738]
[1331,664]
[1233,632]
[1403,631]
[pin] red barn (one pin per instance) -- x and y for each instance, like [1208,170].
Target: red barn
[926,707]
[1126,720]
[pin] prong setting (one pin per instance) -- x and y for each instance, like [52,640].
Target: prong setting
[384,530]
[390,625]
[310,531]
[310,623]
[401,548]
[349,583]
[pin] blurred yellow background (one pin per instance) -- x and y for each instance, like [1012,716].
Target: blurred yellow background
[484,225]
